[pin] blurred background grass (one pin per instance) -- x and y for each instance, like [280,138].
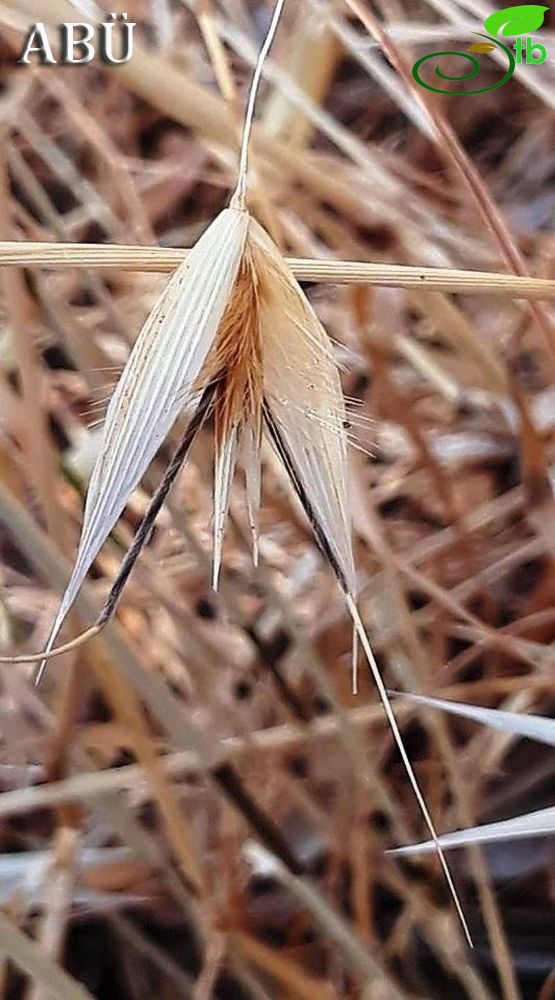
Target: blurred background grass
[120,851]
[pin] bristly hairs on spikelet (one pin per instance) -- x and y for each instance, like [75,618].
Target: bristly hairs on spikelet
[235,367]
[233,327]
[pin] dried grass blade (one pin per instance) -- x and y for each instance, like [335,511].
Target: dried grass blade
[28,957]
[534,824]
[533,727]
[166,259]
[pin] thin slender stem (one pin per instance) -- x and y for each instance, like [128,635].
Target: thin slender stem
[239,198]
[56,256]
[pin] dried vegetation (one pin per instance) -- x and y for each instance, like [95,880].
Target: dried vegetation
[150,784]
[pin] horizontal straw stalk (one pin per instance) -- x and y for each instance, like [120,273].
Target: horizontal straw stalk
[345,272]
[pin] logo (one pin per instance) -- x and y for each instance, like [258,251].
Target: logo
[510,23]
[75,45]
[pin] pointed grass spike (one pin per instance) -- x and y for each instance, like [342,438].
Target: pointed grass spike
[535,824]
[533,727]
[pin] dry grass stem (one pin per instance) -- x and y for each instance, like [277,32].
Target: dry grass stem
[348,272]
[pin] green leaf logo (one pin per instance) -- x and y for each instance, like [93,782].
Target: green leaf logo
[516,20]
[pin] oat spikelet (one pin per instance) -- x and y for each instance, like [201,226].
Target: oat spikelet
[161,376]
[233,327]
[156,384]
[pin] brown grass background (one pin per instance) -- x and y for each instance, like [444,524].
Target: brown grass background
[123,854]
